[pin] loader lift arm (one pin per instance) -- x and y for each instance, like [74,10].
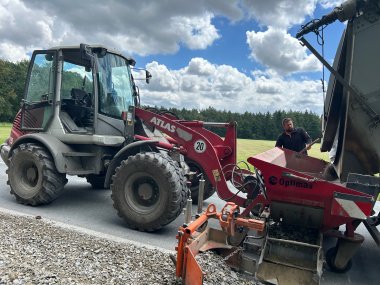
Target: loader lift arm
[216,156]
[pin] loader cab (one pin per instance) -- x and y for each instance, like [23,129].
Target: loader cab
[80,90]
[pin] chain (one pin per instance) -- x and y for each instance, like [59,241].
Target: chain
[232,253]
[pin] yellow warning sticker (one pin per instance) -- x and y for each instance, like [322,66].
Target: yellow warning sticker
[216,174]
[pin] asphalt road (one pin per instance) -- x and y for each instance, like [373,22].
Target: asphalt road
[83,207]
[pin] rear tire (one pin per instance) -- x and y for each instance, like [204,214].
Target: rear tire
[148,191]
[33,177]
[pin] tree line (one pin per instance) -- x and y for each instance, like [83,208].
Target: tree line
[260,126]
[12,81]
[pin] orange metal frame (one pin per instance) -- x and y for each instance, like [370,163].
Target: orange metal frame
[191,240]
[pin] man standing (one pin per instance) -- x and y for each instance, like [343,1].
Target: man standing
[296,139]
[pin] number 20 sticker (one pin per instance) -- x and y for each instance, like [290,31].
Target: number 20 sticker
[200,146]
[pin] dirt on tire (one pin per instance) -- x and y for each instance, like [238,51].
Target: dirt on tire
[148,191]
[33,177]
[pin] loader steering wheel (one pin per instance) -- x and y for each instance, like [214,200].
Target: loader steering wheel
[259,178]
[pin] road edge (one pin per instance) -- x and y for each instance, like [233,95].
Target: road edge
[86,231]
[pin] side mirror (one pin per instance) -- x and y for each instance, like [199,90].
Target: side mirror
[140,71]
[148,76]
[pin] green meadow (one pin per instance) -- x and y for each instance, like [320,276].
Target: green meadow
[5,129]
[247,148]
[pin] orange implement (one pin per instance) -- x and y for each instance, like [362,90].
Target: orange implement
[194,238]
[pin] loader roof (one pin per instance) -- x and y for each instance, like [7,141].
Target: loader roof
[130,59]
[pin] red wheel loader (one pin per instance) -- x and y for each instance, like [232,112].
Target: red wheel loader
[81,115]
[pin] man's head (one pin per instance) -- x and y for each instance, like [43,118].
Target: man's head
[287,124]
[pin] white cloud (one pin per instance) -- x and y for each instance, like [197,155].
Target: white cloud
[280,52]
[200,66]
[328,4]
[135,27]
[280,13]
[142,27]
[163,27]
[202,84]
[21,29]
[163,80]
[196,32]
[12,52]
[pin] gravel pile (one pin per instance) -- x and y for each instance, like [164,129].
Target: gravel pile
[217,271]
[36,251]
[293,232]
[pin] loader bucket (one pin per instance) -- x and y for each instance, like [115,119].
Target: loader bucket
[210,238]
[287,261]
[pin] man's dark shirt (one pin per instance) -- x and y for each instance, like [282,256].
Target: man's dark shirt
[296,141]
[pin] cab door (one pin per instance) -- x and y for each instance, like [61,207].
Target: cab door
[38,104]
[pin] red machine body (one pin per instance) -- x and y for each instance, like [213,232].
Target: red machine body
[217,156]
[16,131]
[296,179]
[290,178]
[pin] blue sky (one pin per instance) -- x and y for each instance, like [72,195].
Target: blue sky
[237,55]
[231,48]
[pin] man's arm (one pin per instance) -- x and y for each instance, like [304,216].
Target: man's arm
[306,137]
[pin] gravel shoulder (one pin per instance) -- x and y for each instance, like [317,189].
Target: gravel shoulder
[37,251]
[34,250]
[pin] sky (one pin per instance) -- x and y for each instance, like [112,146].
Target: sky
[234,55]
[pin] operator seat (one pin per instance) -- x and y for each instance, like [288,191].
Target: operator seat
[81,97]
[77,113]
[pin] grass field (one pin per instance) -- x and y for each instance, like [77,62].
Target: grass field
[246,148]
[5,129]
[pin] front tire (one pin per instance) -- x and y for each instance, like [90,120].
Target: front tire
[148,191]
[33,177]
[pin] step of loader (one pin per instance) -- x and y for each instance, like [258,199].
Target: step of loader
[79,163]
